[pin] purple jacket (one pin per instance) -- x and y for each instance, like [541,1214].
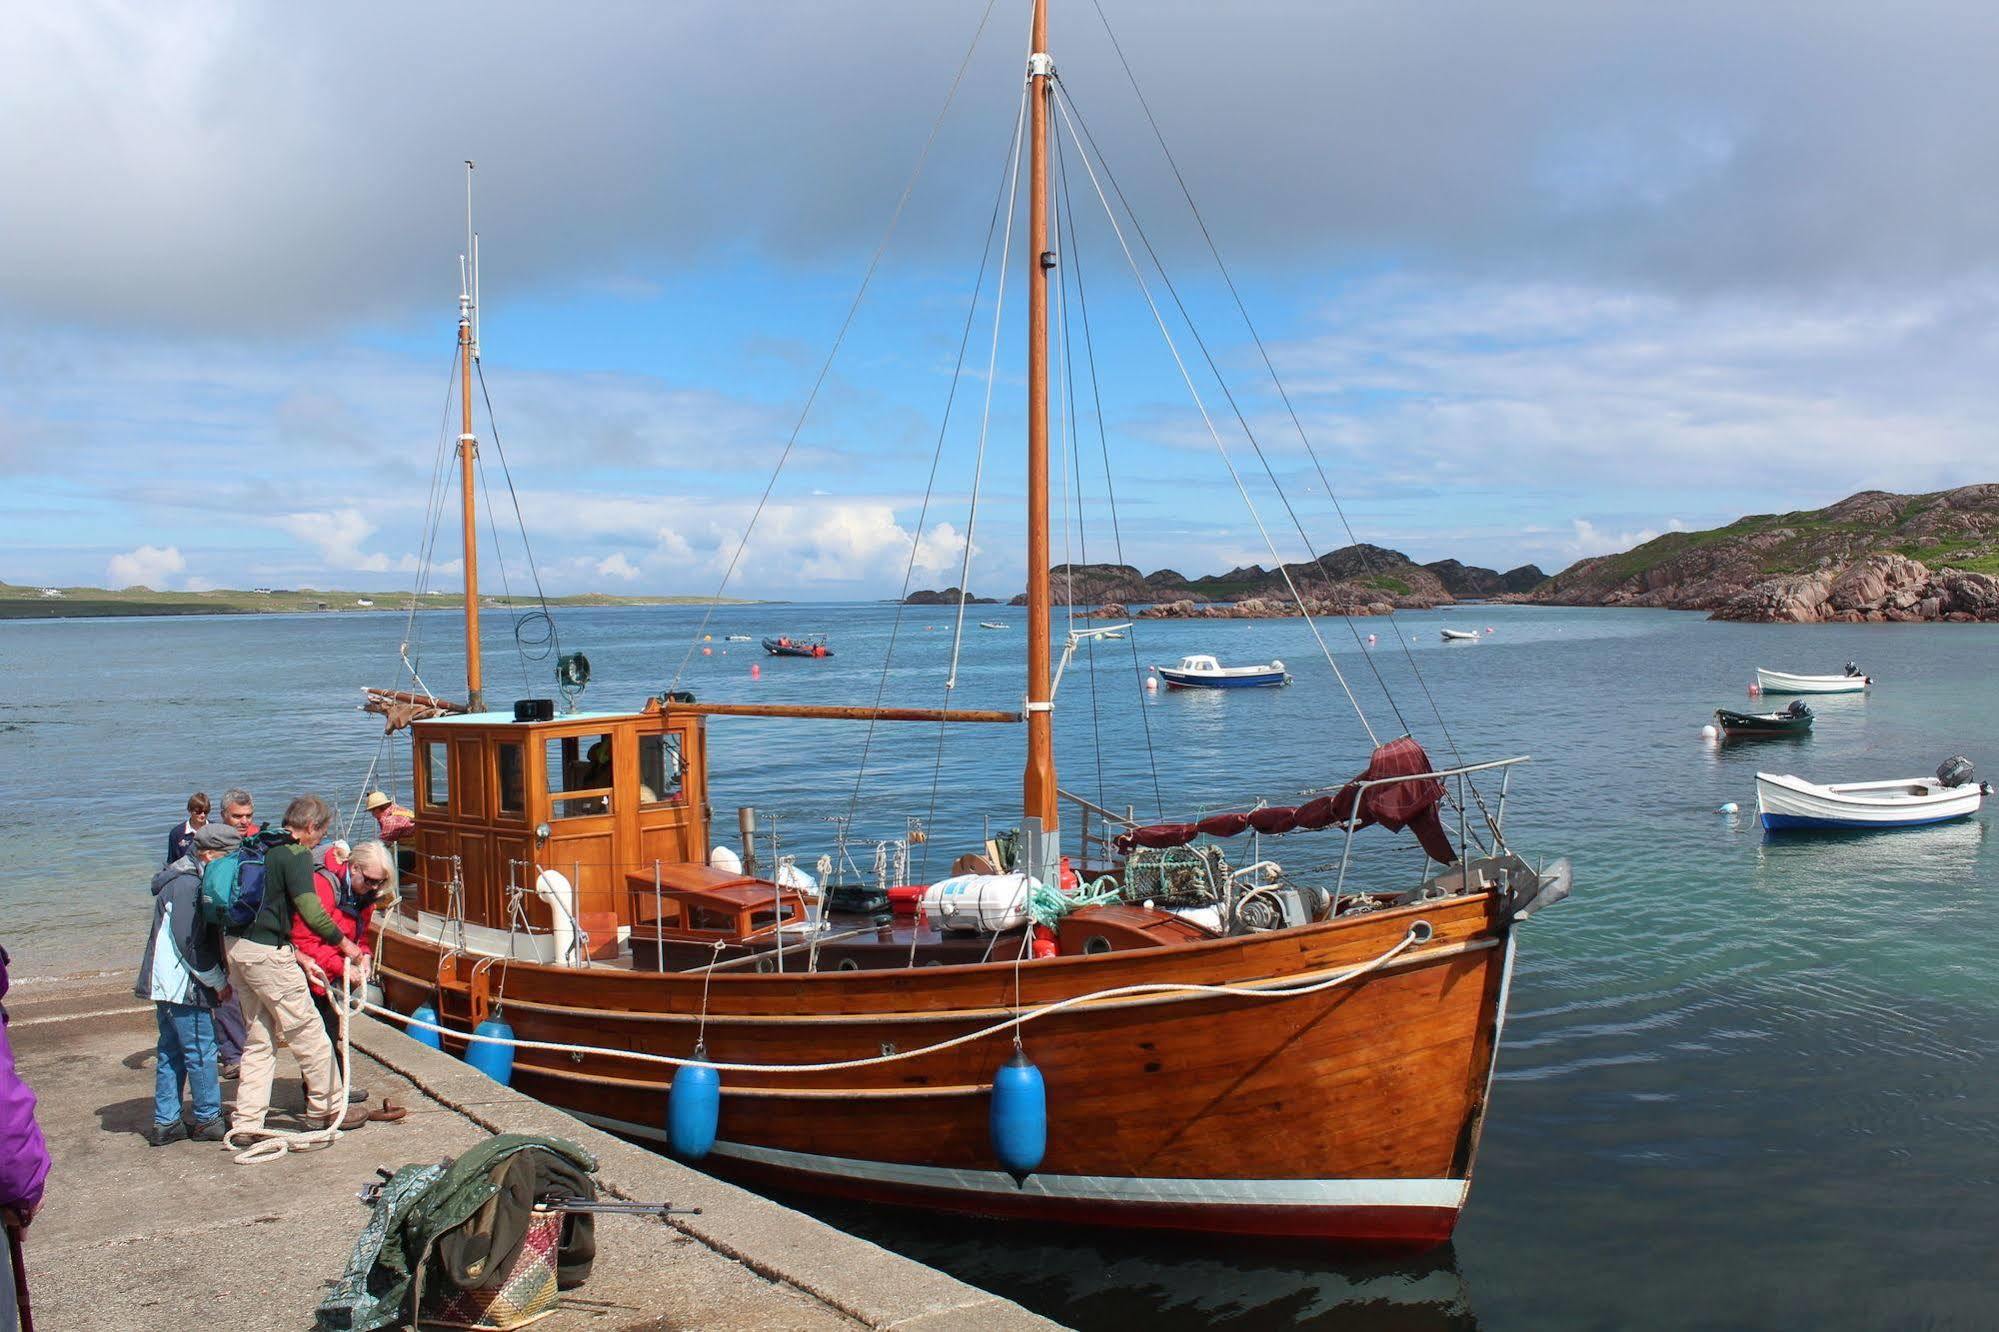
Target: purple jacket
[24,1155]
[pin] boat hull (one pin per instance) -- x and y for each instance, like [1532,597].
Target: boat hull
[1789,804]
[1350,1114]
[1251,680]
[1743,724]
[1782,682]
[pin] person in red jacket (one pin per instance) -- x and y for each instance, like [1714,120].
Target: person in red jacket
[349,891]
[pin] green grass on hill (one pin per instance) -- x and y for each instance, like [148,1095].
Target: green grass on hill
[30,603]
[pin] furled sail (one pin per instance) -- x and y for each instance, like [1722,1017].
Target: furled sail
[1395,805]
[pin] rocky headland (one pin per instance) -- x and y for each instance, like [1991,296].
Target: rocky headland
[1872,557]
[1352,580]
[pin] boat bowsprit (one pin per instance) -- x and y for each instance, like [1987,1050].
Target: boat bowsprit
[798,647]
[1783,682]
[1201,671]
[1792,804]
[1794,720]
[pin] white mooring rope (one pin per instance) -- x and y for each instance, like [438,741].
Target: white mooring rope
[1018,1020]
[272,1144]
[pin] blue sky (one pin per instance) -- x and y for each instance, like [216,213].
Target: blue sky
[1541,282]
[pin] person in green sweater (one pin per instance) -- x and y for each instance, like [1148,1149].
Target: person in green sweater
[277,1003]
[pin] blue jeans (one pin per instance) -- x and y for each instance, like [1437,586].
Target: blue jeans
[186,1057]
[228,1017]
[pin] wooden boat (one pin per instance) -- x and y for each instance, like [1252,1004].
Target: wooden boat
[1783,682]
[798,647]
[1789,804]
[1320,1071]
[1201,671]
[1794,720]
[1460,636]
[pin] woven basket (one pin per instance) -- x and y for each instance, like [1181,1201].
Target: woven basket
[526,1294]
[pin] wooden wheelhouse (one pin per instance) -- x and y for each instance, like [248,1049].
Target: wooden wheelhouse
[589,796]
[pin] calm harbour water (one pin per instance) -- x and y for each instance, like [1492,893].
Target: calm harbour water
[1744,1082]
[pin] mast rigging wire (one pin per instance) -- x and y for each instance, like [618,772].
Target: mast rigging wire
[1075,254]
[1242,308]
[839,340]
[930,486]
[1311,551]
[1061,105]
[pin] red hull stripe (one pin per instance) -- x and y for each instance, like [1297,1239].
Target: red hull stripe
[1398,1211]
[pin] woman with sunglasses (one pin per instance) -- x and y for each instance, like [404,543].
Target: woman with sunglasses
[349,891]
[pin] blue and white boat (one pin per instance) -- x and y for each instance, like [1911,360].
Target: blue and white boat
[1792,804]
[1201,671]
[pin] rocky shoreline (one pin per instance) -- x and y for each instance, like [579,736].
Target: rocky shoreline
[1874,557]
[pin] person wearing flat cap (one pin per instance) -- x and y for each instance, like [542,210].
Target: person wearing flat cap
[395,821]
[181,971]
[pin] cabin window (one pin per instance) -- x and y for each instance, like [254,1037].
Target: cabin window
[579,776]
[435,762]
[511,761]
[711,922]
[660,769]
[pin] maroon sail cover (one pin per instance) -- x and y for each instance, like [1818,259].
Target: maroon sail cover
[1395,806]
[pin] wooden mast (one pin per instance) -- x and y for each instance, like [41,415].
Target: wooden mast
[1038,785]
[468,452]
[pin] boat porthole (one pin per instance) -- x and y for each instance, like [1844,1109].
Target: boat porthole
[848,964]
[764,964]
[1096,943]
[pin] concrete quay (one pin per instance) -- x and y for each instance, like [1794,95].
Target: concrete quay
[134,1236]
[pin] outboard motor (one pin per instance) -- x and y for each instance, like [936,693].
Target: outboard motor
[1955,771]
[1852,669]
[1798,708]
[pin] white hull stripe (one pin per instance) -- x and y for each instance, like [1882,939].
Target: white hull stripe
[1427,1193]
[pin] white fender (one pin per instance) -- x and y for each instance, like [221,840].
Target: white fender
[722,858]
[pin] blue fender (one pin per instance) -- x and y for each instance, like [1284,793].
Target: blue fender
[423,1035]
[693,1108]
[495,1061]
[1019,1117]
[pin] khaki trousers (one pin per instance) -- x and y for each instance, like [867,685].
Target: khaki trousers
[277,1003]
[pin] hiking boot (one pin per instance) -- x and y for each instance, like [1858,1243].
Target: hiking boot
[163,1134]
[213,1131]
[357,1096]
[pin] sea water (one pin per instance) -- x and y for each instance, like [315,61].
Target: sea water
[1744,1081]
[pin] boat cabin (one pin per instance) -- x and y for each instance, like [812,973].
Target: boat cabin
[1199,662]
[691,915]
[592,796]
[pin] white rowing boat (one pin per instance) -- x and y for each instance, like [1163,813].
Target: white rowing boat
[1202,671]
[1460,636]
[1790,803]
[1783,682]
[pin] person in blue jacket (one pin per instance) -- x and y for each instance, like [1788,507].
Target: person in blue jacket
[181,971]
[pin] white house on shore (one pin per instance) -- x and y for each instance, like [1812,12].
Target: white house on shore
[52,593]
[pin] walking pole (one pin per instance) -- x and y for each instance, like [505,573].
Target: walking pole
[20,1277]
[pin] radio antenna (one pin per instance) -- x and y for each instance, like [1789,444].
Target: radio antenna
[468,265]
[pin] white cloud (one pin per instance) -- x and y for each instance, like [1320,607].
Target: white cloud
[1590,540]
[148,566]
[338,535]
[617,566]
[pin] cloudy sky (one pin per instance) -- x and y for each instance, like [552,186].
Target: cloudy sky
[1542,279]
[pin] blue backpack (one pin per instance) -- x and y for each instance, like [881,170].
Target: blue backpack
[232,888]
